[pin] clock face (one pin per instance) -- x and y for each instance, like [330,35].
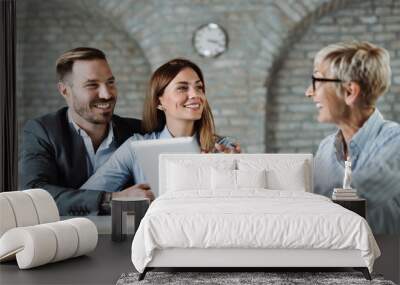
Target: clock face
[210,40]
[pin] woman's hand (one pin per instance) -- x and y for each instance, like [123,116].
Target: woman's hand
[231,148]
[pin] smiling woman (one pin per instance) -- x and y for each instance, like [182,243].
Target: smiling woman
[348,80]
[176,98]
[175,106]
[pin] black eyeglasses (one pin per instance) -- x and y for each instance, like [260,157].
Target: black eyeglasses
[315,79]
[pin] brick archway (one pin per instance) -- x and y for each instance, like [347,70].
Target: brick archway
[238,82]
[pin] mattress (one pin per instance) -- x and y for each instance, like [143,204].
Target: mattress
[251,219]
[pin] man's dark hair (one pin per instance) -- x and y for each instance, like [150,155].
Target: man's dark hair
[65,62]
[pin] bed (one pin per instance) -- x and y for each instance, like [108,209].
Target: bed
[247,210]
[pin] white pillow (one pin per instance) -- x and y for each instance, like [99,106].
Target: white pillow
[251,178]
[182,177]
[281,174]
[237,179]
[223,179]
[194,175]
[291,178]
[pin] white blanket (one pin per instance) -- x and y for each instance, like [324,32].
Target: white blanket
[252,218]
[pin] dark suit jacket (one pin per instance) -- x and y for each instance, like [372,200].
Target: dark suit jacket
[53,157]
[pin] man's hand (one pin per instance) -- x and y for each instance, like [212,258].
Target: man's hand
[137,190]
[227,149]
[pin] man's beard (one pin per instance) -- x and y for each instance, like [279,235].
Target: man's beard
[88,114]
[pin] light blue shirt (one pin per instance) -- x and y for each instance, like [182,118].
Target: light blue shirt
[107,147]
[375,156]
[123,169]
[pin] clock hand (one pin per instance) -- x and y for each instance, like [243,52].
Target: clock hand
[213,41]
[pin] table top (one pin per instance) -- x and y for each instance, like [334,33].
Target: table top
[104,265]
[348,200]
[131,199]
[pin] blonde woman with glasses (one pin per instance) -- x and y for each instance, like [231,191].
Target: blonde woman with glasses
[347,81]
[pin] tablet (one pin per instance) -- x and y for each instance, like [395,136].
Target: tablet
[148,151]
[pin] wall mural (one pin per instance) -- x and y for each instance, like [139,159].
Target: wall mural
[265,89]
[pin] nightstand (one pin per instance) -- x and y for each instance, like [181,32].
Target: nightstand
[358,206]
[119,209]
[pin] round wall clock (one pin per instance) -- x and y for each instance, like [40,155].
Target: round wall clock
[210,40]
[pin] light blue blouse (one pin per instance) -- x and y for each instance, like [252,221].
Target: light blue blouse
[375,155]
[123,169]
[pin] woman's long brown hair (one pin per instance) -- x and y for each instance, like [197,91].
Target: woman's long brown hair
[154,119]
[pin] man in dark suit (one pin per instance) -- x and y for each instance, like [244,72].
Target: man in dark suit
[61,150]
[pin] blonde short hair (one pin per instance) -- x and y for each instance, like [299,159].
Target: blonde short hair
[361,62]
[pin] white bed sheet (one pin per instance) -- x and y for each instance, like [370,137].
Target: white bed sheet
[251,218]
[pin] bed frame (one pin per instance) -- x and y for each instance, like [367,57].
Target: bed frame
[242,259]
[248,258]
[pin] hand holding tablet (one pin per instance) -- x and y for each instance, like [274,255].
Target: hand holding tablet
[148,151]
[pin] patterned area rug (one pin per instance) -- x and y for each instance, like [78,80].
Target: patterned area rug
[225,278]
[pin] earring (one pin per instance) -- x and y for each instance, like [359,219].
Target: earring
[161,107]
